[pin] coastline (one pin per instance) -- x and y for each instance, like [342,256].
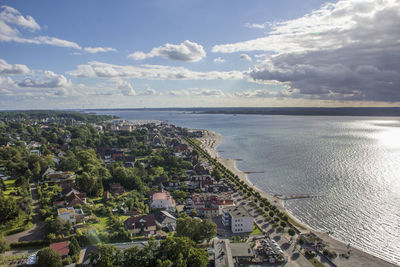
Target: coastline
[358,257]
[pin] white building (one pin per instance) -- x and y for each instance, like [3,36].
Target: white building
[238,219]
[162,200]
[70,215]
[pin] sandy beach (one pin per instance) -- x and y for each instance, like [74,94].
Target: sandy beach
[211,140]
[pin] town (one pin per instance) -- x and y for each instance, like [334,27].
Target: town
[86,190]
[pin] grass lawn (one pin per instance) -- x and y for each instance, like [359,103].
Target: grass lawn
[102,225]
[256,230]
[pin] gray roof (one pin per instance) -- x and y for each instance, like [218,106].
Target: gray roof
[241,250]
[237,211]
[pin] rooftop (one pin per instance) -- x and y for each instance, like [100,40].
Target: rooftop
[162,195]
[241,250]
[60,247]
[237,211]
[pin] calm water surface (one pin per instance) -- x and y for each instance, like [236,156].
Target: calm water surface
[352,163]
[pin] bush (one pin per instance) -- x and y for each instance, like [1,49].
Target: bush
[309,254]
[35,243]
[16,230]
[291,232]
[329,254]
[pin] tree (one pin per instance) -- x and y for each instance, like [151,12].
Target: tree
[216,174]
[106,256]
[53,226]
[3,245]
[49,258]
[194,213]
[8,209]
[74,247]
[196,229]
[291,232]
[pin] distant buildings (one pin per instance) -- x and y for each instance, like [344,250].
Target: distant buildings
[239,220]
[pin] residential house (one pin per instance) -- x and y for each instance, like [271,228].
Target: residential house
[116,189]
[211,205]
[62,248]
[181,150]
[201,169]
[71,215]
[72,199]
[36,152]
[238,219]
[162,200]
[145,224]
[165,220]
[48,171]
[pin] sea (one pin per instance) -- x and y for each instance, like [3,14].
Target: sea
[351,165]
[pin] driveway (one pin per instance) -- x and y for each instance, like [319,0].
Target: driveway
[37,231]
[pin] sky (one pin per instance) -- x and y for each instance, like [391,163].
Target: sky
[198,53]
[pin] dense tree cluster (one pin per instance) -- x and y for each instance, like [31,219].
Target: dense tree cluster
[173,251]
[196,229]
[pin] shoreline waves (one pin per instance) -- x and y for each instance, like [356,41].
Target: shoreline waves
[210,141]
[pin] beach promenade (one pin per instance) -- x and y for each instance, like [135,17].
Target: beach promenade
[356,257]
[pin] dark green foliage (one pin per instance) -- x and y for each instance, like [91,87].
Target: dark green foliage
[49,258]
[173,251]
[291,232]
[106,256]
[196,229]
[74,247]
[3,245]
[8,209]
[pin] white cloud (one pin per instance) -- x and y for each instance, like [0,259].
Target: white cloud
[56,42]
[332,26]
[9,69]
[207,92]
[347,50]
[94,50]
[150,92]
[138,55]
[151,72]
[245,57]
[126,88]
[186,51]
[255,25]
[265,93]
[10,15]
[11,21]
[47,79]
[219,60]
[179,93]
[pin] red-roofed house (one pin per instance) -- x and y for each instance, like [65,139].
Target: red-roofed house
[162,200]
[61,248]
[211,205]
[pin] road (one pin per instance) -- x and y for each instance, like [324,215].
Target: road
[37,231]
